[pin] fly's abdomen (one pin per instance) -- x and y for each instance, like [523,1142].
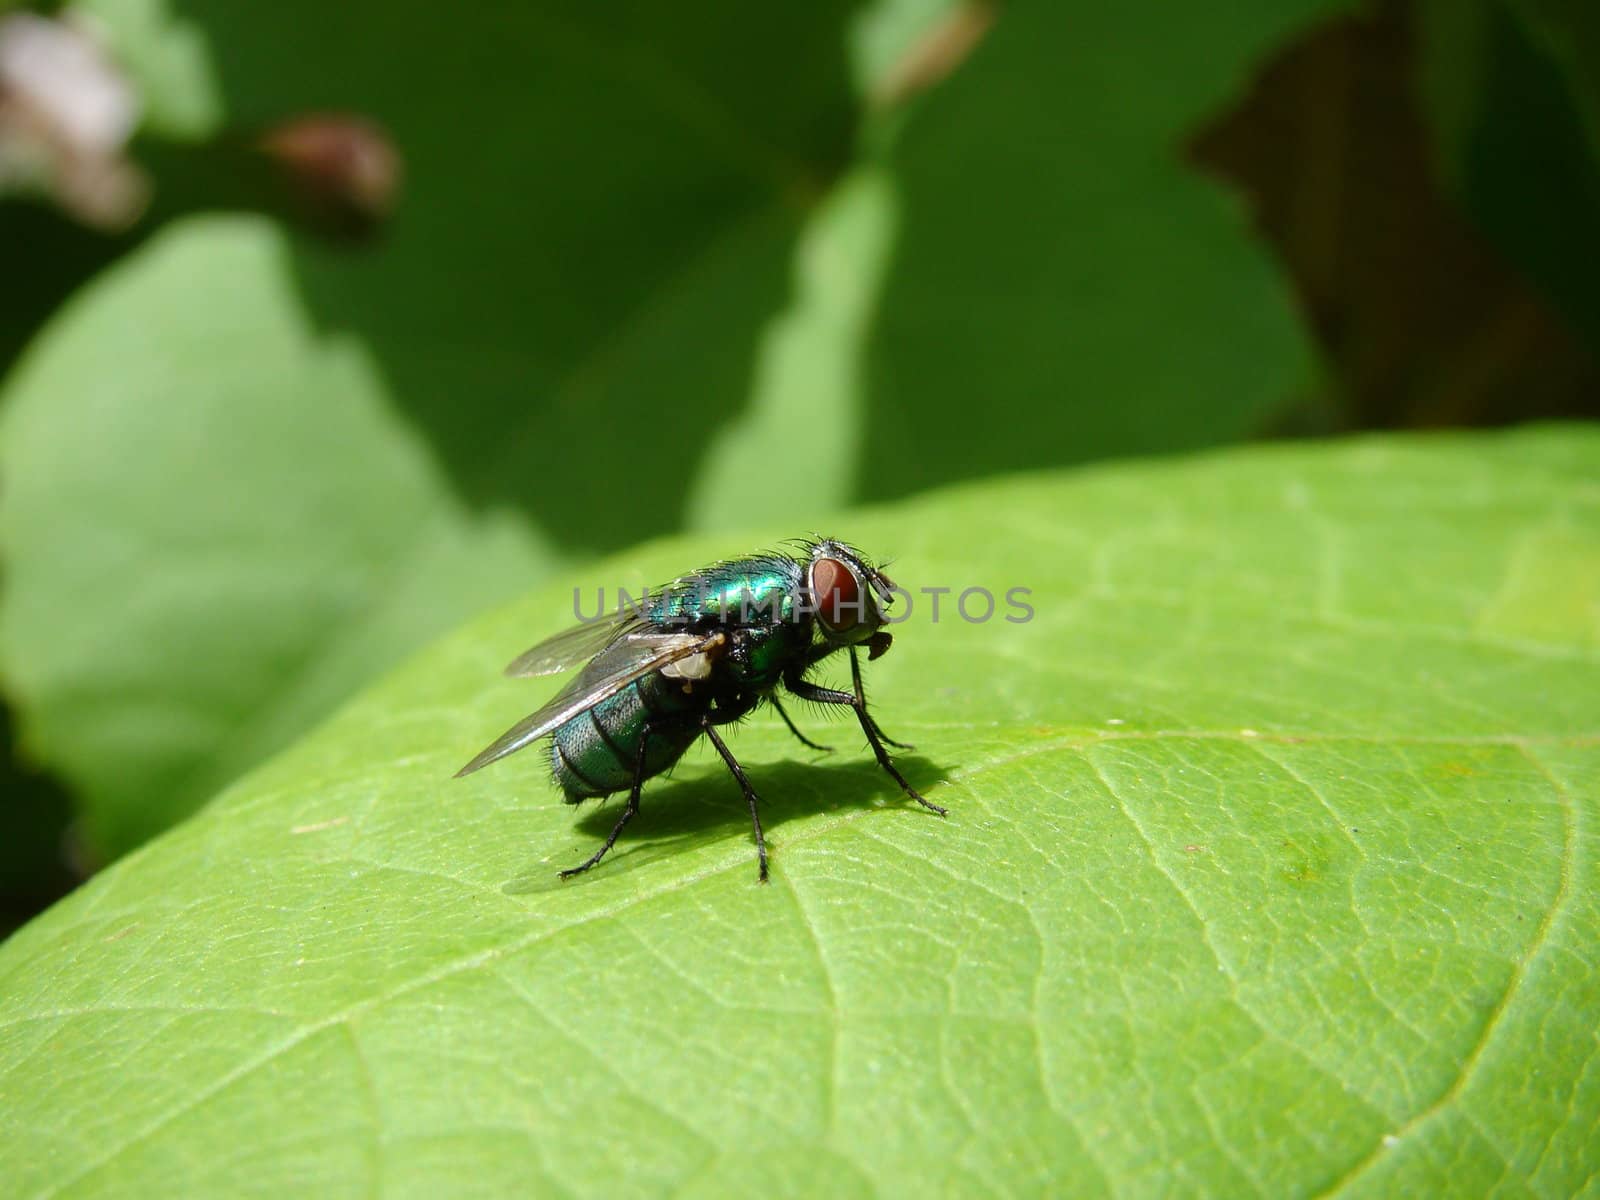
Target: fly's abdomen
[594,753]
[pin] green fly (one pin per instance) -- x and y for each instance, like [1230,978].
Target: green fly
[698,654]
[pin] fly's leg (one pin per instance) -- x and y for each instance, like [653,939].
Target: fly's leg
[709,723]
[824,695]
[627,813]
[861,706]
[804,740]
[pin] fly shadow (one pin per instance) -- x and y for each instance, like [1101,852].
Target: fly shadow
[678,815]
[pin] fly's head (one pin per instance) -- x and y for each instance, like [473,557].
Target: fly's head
[848,596]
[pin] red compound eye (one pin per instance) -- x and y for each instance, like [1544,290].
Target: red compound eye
[837,594]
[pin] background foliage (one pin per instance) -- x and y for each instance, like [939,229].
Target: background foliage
[643,273]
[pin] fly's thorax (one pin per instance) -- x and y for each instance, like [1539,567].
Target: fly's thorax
[759,655]
[757,591]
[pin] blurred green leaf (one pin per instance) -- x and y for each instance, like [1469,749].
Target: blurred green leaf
[1269,871]
[1513,147]
[200,564]
[243,472]
[1064,285]
[1570,33]
[885,31]
[796,452]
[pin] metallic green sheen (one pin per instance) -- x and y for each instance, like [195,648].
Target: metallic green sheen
[764,584]
[594,754]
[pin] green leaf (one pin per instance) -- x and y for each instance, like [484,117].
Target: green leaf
[1270,870]
[1506,101]
[1570,33]
[199,565]
[1065,285]
[243,473]
[885,31]
[796,450]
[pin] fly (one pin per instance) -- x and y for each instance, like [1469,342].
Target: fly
[699,654]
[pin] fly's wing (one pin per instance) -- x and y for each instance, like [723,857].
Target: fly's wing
[572,646]
[635,656]
[582,642]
